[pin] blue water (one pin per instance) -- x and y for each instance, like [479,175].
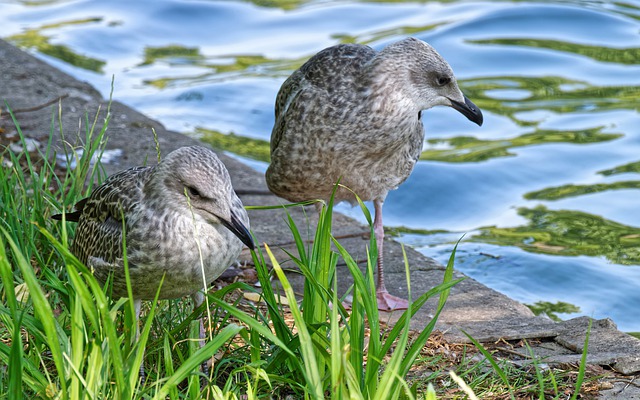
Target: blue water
[535,68]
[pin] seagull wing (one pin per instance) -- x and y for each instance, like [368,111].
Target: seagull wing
[336,67]
[99,232]
[287,95]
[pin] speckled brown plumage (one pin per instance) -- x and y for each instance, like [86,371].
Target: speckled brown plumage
[182,221]
[162,231]
[354,114]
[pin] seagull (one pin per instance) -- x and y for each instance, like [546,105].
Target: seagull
[182,222]
[353,114]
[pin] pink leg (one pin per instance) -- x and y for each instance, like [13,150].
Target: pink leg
[386,301]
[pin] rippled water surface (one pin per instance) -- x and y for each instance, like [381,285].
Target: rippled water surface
[546,190]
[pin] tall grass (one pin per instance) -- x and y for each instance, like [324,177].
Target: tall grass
[61,336]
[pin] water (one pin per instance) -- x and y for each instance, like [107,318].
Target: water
[546,191]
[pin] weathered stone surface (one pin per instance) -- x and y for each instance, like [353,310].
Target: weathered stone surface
[512,328]
[616,349]
[621,390]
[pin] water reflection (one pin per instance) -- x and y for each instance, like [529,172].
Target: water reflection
[255,149]
[35,39]
[629,55]
[553,309]
[236,66]
[174,55]
[37,3]
[219,68]
[570,190]
[622,169]
[376,36]
[568,233]
[283,4]
[553,93]
[470,149]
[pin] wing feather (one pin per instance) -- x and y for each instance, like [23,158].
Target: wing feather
[99,232]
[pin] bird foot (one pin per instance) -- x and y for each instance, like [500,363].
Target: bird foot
[389,302]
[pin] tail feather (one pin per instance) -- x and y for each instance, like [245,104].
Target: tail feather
[72,216]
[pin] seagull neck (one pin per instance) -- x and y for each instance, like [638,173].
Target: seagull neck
[156,188]
[387,88]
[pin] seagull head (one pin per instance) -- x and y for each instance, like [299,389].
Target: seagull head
[429,80]
[194,177]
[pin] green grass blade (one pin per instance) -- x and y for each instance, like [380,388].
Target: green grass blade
[193,345]
[363,207]
[252,323]
[442,289]
[370,304]
[15,362]
[168,366]
[95,368]
[138,354]
[117,358]
[536,367]
[315,301]
[194,361]
[336,371]
[32,377]
[55,335]
[101,303]
[312,372]
[494,364]
[389,386]
[280,327]
[84,297]
[77,345]
[355,337]
[583,363]
[6,275]
[363,298]
[421,340]
[352,382]
[302,251]
[287,205]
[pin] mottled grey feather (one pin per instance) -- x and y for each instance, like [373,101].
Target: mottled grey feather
[164,228]
[353,113]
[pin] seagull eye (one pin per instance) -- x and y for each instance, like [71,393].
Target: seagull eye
[443,80]
[193,192]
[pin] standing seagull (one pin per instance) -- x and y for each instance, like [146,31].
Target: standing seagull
[182,219]
[353,114]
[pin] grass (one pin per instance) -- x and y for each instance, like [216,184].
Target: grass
[62,337]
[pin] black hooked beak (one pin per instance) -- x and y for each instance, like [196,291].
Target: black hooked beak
[469,110]
[238,229]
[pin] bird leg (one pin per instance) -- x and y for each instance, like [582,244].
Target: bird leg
[137,305]
[386,301]
[198,299]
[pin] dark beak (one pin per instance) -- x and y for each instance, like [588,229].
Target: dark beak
[239,230]
[469,110]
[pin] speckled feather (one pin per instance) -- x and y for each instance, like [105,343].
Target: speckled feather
[162,230]
[353,113]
